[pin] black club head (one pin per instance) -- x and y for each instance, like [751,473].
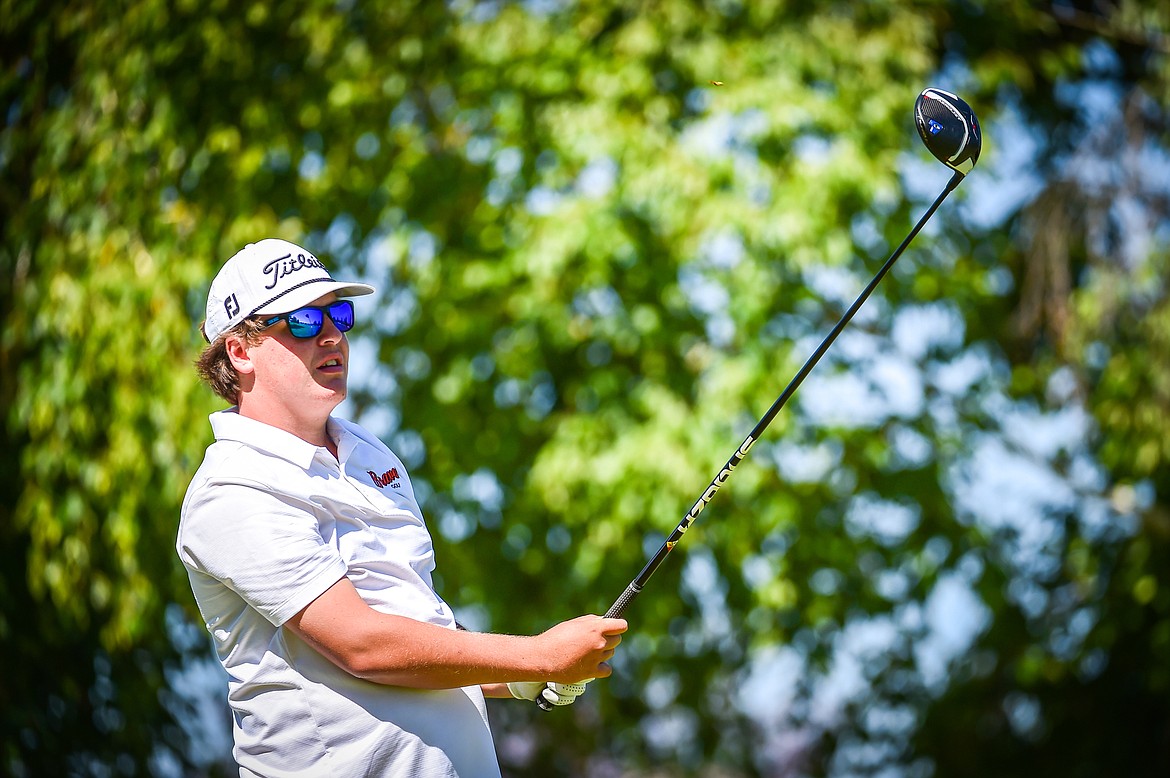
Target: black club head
[949,129]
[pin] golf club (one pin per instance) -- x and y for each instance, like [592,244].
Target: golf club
[951,133]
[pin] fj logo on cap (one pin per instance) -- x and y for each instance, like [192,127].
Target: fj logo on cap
[231,306]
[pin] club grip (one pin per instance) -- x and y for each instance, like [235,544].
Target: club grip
[619,607]
[615,612]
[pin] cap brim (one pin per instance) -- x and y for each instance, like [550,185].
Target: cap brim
[300,296]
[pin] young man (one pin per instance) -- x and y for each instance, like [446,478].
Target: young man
[311,564]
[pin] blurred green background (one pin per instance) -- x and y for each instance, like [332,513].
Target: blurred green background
[605,235]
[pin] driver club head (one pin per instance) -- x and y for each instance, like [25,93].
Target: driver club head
[949,129]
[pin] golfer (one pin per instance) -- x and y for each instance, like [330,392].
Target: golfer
[311,563]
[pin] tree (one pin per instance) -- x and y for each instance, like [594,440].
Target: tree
[603,236]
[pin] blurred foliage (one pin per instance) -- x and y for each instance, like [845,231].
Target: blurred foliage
[604,236]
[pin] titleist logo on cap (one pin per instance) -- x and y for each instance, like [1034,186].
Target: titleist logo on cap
[286,265]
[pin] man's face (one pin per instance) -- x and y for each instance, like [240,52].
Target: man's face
[300,376]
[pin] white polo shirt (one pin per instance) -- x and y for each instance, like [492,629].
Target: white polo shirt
[268,524]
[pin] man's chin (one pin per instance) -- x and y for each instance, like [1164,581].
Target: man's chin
[333,391]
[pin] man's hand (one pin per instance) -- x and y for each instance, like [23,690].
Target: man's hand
[558,694]
[580,647]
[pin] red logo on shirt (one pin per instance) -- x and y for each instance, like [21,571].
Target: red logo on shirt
[386,479]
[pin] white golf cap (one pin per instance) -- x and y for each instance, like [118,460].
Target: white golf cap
[271,276]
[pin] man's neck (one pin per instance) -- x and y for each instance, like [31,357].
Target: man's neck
[310,430]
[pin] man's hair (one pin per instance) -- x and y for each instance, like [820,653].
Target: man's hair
[217,369]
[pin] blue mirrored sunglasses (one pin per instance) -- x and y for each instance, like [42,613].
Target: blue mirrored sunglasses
[307,322]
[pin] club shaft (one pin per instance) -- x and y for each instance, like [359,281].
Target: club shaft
[635,588]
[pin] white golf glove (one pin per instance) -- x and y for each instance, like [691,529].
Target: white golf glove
[556,693]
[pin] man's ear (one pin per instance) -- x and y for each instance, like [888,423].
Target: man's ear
[237,352]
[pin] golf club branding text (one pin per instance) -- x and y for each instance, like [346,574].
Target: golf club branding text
[716,484]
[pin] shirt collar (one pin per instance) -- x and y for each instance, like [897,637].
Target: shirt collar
[230,425]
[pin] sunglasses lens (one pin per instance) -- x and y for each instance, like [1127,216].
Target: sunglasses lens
[306,322]
[342,314]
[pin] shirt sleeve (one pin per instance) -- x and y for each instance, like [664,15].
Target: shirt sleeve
[266,549]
